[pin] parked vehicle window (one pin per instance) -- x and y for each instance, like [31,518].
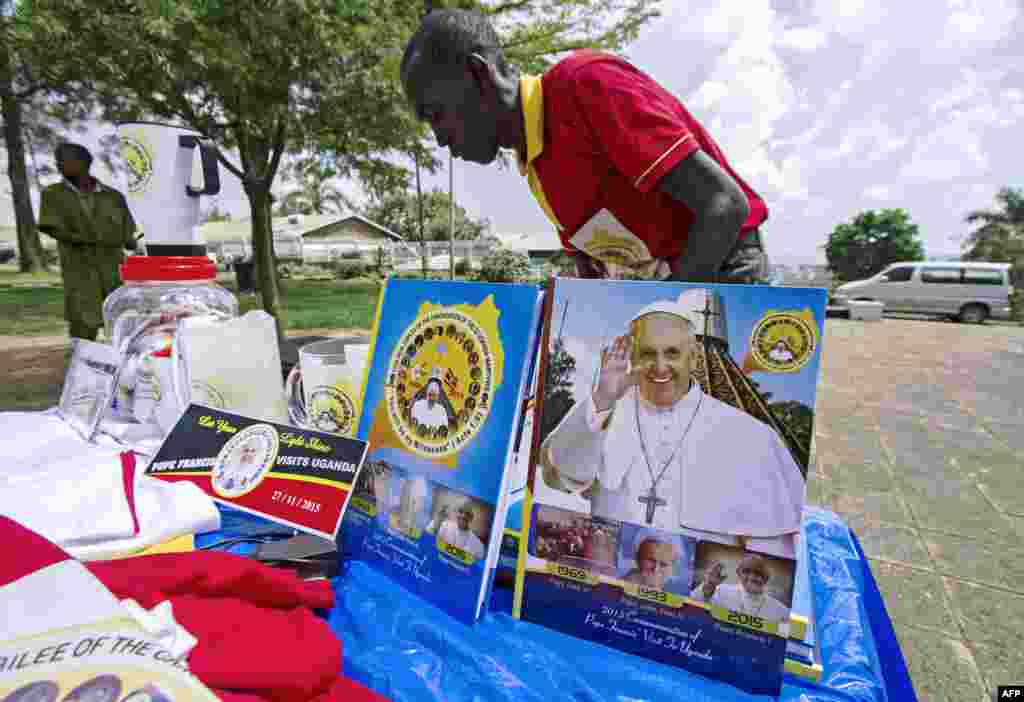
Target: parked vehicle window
[982,277]
[941,275]
[900,275]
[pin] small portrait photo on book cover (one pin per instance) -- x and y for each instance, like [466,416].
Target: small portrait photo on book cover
[656,560]
[576,539]
[366,484]
[743,581]
[460,521]
[409,515]
[383,480]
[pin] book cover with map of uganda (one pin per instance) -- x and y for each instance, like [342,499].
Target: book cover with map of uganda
[449,365]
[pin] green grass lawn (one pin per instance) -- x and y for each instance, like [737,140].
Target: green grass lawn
[314,304]
[34,305]
[26,311]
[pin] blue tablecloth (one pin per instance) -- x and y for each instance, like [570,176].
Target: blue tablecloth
[410,651]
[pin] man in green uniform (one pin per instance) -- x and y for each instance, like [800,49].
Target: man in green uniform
[92,225]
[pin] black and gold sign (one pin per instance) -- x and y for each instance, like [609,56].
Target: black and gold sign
[295,476]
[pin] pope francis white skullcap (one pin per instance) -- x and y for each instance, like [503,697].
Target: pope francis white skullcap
[663,307]
[690,305]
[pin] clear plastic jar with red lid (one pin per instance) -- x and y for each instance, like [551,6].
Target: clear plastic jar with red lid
[176,286]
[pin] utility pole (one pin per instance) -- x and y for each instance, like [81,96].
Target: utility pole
[451,217]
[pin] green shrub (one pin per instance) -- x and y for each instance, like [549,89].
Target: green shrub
[504,266]
[1017,306]
[462,267]
[348,270]
[351,255]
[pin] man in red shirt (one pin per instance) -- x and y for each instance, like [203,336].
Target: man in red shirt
[634,185]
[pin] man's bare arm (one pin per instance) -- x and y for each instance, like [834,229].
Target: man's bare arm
[719,207]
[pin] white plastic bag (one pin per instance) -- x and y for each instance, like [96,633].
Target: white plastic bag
[88,386]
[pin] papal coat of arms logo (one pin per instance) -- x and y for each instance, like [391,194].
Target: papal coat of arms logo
[441,379]
[138,156]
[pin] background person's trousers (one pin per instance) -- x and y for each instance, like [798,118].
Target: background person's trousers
[748,262]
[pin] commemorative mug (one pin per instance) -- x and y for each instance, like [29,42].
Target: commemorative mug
[323,388]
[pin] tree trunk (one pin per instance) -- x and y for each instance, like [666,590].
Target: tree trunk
[263,254]
[30,250]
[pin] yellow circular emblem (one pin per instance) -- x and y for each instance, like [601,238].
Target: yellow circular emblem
[332,410]
[245,460]
[609,248]
[440,383]
[783,342]
[139,159]
[204,393]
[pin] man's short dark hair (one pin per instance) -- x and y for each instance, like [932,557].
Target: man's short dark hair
[68,149]
[446,38]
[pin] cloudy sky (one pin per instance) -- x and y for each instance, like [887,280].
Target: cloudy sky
[827,108]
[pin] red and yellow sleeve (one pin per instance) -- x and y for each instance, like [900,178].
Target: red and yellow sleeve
[634,120]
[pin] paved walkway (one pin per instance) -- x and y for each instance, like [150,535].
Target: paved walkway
[920,447]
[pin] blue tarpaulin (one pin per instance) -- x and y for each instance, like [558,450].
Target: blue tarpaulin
[410,651]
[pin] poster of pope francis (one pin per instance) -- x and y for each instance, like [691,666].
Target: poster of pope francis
[684,416]
[685,411]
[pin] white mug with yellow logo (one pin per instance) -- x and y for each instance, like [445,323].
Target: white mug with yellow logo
[323,388]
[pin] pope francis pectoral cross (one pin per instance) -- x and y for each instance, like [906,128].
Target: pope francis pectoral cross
[651,501]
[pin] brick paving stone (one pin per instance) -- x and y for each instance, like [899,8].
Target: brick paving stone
[999,665]
[967,513]
[989,616]
[914,597]
[1006,433]
[849,475]
[985,563]
[1001,483]
[921,487]
[869,507]
[890,542]
[942,668]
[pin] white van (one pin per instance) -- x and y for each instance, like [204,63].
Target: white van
[968,291]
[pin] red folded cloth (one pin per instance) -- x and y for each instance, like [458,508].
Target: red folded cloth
[259,639]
